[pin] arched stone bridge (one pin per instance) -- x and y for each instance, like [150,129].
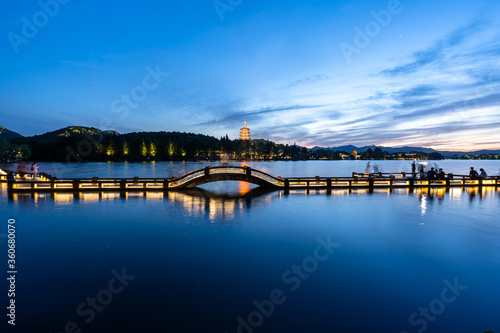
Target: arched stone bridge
[220,173]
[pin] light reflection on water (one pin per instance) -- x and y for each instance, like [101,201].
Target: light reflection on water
[203,256]
[224,206]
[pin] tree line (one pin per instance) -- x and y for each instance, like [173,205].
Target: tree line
[78,144]
[477,157]
[11,151]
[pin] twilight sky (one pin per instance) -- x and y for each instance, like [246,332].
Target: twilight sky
[318,72]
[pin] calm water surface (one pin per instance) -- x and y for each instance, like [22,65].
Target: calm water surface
[209,260]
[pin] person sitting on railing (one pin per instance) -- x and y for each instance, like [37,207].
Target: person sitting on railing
[441,175]
[483,174]
[473,173]
[431,174]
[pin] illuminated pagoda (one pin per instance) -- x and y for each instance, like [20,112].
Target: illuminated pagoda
[245,132]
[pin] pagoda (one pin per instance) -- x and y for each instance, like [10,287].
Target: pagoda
[245,132]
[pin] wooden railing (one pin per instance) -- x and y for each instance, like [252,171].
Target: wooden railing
[26,183]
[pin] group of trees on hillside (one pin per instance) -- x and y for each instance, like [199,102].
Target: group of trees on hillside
[477,157]
[76,144]
[10,151]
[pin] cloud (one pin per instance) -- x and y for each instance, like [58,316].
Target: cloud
[465,104]
[417,91]
[307,80]
[257,115]
[435,52]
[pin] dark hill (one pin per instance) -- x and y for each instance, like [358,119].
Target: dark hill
[8,134]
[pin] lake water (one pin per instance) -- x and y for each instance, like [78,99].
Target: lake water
[231,258]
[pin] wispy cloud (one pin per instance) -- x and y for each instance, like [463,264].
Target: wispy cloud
[256,115]
[307,80]
[436,52]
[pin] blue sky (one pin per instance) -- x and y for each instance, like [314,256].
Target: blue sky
[328,73]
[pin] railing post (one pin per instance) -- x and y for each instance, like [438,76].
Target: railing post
[207,170]
[370,182]
[10,182]
[329,182]
[287,183]
[248,171]
[76,184]
[165,184]
[123,184]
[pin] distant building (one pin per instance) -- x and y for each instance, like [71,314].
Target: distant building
[245,132]
[344,156]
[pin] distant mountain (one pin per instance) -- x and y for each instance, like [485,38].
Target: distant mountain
[475,152]
[391,150]
[8,134]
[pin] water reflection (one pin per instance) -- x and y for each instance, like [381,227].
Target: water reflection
[197,203]
[423,204]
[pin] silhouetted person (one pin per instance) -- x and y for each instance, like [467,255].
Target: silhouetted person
[431,174]
[421,171]
[441,175]
[473,173]
[483,173]
[413,168]
[367,169]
